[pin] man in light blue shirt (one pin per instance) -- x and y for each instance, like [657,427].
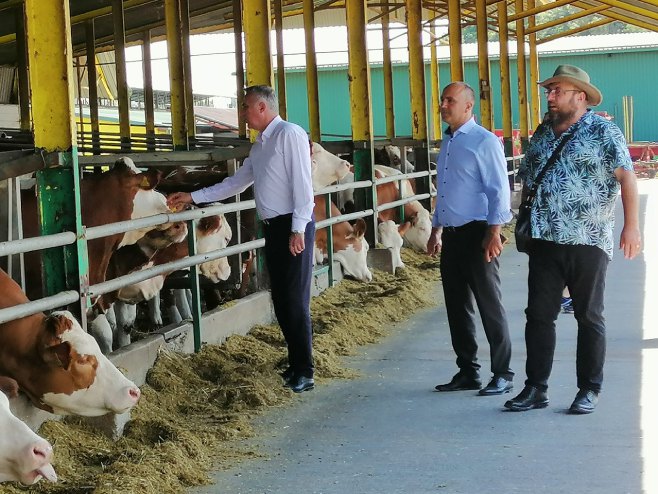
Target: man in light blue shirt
[279,167]
[473,202]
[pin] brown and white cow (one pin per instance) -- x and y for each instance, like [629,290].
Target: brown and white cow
[350,246]
[326,168]
[121,194]
[419,232]
[57,364]
[212,233]
[24,456]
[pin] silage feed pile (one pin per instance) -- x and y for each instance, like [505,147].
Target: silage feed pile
[193,406]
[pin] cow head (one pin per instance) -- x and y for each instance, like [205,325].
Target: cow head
[146,201]
[353,256]
[76,378]
[390,235]
[419,232]
[214,233]
[326,168]
[24,456]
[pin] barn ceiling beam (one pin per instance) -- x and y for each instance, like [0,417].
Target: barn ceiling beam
[522,14]
[619,17]
[575,30]
[92,14]
[564,20]
[631,8]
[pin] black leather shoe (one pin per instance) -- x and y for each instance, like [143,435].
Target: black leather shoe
[460,382]
[302,383]
[497,386]
[528,399]
[287,376]
[585,402]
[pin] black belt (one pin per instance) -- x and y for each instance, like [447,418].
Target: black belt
[467,226]
[277,219]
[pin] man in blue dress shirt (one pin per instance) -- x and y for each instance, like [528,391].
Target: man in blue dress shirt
[473,202]
[279,167]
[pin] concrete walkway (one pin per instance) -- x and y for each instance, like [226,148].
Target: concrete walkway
[388,432]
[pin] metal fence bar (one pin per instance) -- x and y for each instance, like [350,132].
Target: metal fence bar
[340,187]
[41,305]
[20,246]
[136,277]
[400,202]
[343,217]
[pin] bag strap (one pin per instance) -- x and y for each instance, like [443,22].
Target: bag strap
[549,164]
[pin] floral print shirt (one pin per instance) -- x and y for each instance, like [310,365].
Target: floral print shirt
[575,201]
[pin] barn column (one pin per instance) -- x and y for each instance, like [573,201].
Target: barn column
[121,73]
[455,37]
[388,78]
[418,102]
[486,114]
[280,60]
[239,64]
[358,75]
[256,20]
[190,118]
[92,77]
[521,73]
[436,87]
[176,75]
[149,107]
[535,102]
[58,185]
[23,75]
[505,88]
[311,73]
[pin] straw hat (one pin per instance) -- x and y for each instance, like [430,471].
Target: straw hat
[579,78]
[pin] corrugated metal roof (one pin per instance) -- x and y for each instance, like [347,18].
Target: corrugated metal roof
[6,83]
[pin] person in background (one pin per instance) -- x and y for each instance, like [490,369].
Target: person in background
[572,220]
[473,203]
[279,167]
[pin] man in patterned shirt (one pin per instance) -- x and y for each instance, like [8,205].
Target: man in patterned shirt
[572,220]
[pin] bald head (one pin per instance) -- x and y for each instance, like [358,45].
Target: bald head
[457,102]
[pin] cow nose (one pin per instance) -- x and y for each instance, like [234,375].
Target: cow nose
[42,451]
[134,393]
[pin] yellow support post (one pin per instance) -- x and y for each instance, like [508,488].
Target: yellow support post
[121,73]
[388,78]
[358,75]
[535,102]
[486,114]
[280,60]
[257,25]
[176,75]
[58,186]
[239,64]
[435,86]
[190,118]
[522,80]
[312,92]
[455,36]
[417,89]
[505,86]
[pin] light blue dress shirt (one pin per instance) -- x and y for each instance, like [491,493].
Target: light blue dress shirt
[471,181]
[279,166]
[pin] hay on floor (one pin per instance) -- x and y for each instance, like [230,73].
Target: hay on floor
[193,405]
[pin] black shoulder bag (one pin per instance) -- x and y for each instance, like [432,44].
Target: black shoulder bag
[523,228]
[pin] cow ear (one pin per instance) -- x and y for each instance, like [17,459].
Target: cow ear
[210,224]
[149,179]
[57,355]
[83,370]
[359,228]
[404,227]
[9,386]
